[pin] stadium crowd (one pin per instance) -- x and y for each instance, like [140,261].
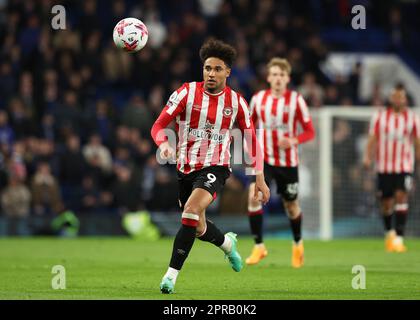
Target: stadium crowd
[75,113]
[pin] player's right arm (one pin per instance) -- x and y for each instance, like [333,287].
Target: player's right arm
[416,136]
[372,140]
[175,105]
[253,110]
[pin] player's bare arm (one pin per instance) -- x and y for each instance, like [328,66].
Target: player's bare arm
[261,186]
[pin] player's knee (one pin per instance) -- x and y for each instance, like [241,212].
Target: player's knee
[292,209]
[194,208]
[387,207]
[252,203]
[401,197]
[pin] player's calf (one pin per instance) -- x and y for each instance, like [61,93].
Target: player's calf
[183,243]
[401,213]
[295,218]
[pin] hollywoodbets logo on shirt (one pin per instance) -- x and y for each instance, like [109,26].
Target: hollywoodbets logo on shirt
[207,133]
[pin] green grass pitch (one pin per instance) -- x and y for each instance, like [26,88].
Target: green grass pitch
[122,268]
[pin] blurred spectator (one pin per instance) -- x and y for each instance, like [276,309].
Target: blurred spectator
[96,154]
[210,8]
[7,81]
[29,36]
[136,115]
[164,194]
[311,90]
[45,191]
[26,90]
[377,96]
[126,191]
[234,198]
[47,128]
[149,178]
[44,151]
[20,119]
[116,66]
[331,96]
[16,165]
[157,31]
[73,165]
[89,19]
[90,195]
[16,198]
[101,121]
[242,74]
[354,81]
[50,97]
[67,115]
[397,30]
[7,134]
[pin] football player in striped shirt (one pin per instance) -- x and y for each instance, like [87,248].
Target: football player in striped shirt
[277,114]
[204,114]
[393,136]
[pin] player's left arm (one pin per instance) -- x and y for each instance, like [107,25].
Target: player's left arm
[416,136]
[305,120]
[175,105]
[254,150]
[252,109]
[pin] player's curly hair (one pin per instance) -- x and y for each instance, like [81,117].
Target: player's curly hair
[218,49]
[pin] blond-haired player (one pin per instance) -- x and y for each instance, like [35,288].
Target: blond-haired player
[277,114]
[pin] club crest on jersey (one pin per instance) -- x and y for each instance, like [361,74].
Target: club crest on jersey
[227,112]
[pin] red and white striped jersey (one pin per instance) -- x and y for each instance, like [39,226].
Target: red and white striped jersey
[203,123]
[395,133]
[275,118]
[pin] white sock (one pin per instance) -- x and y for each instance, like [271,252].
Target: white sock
[398,240]
[227,245]
[260,245]
[171,273]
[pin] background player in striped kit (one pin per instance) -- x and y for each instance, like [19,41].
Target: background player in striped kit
[276,113]
[394,131]
[205,112]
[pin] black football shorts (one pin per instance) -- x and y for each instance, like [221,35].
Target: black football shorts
[211,179]
[388,183]
[286,178]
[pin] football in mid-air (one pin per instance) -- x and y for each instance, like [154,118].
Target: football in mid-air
[130,34]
